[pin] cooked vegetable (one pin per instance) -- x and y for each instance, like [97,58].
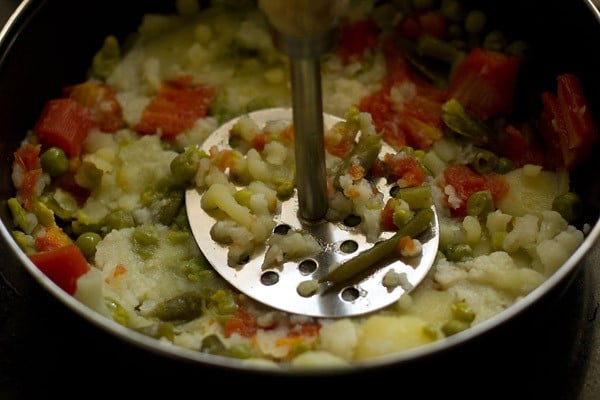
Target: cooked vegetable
[484,82]
[370,257]
[63,265]
[64,123]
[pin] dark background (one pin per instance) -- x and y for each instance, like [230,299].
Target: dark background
[47,351]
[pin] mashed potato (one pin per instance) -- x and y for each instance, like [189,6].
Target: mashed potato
[121,197]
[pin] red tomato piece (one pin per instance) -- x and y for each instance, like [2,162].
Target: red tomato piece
[521,148]
[465,182]
[566,123]
[63,266]
[64,123]
[485,82]
[178,104]
[101,100]
[52,238]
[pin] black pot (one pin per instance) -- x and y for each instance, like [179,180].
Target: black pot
[47,46]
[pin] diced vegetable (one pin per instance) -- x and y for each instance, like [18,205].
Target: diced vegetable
[64,123]
[567,124]
[370,257]
[484,82]
[63,266]
[178,104]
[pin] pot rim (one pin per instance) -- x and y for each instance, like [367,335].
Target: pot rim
[10,32]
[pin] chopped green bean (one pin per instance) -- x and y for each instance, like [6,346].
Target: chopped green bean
[417,197]
[368,258]
[463,122]
[364,154]
[431,46]
[106,59]
[184,307]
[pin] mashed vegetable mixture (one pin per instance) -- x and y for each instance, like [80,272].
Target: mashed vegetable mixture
[100,178]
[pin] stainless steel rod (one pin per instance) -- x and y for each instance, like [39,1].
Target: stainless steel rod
[309,142]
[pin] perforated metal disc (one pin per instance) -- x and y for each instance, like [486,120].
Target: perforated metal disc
[278,287]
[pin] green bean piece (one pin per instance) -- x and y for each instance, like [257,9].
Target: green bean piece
[480,203]
[435,48]
[475,21]
[364,154]
[454,326]
[54,161]
[495,41]
[458,251]
[484,161]
[106,59]
[184,307]
[438,76]
[370,257]
[568,205]
[417,197]
[87,243]
[463,122]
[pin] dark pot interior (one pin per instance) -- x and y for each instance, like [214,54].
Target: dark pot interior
[50,46]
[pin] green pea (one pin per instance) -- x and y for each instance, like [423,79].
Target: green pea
[475,21]
[54,161]
[517,48]
[118,220]
[458,251]
[452,9]
[462,312]
[87,242]
[504,165]
[480,203]
[568,205]
[484,161]
[184,165]
[495,41]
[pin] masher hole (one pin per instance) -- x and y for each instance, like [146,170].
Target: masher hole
[269,278]
[350,294]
